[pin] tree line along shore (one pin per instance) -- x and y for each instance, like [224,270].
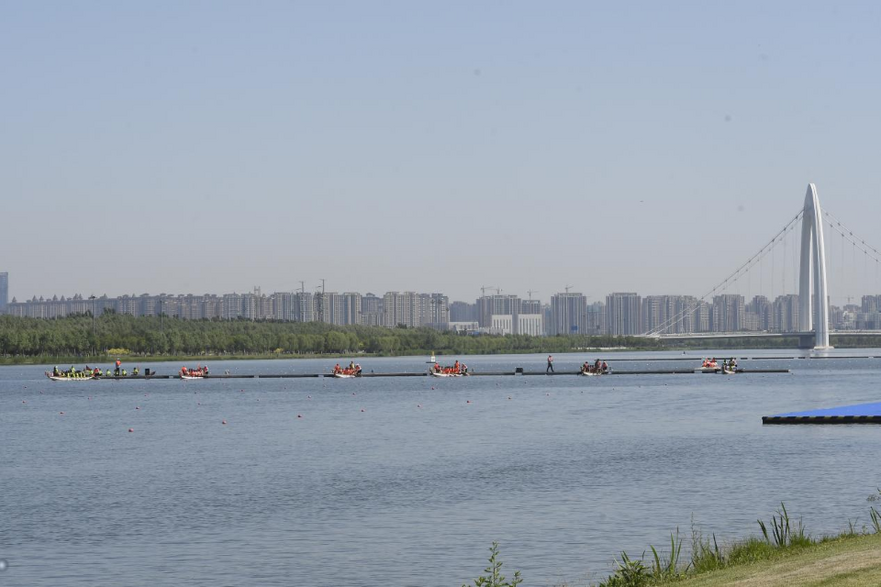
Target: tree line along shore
[24,339]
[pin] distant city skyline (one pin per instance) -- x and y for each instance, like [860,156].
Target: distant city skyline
[429,147]
[622,313]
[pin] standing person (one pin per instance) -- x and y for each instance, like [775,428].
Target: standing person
[550,368]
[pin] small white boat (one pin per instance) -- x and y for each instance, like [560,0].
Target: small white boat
[192,376]
[442,374]
[727,371]
[591,373]
[344,375]
[63,378]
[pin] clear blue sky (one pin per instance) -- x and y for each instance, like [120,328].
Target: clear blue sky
[209,147]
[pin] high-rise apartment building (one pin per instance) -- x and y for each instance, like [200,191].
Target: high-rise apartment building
[623,314]
[758,314]
[672,314]
[463,312]
[4,292]
[728,313]
[413,309]
[371,310]
[784,314]
[496,305]
[351,308]
[568,314]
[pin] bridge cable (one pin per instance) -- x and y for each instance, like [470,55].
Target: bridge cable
[750,263]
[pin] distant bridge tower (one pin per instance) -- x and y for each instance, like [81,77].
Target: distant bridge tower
[813,293]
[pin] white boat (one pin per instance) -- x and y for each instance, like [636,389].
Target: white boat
[192,376]
[442,374]
[727,371]
[591,373]
[344,375]
[63,378]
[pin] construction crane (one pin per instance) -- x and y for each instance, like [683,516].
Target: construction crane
[531,291]
[483,289]
[568,287]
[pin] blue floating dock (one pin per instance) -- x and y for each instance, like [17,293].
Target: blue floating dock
[858,414]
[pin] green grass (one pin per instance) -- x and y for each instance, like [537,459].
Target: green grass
[776,557]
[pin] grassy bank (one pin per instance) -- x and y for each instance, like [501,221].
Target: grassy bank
[852,561]
[783,554]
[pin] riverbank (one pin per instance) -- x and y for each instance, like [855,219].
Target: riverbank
[784,554]
[845,561]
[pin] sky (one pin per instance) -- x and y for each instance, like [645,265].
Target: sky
[195,147]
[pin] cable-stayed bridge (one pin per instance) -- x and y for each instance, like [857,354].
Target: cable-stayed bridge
[813,328]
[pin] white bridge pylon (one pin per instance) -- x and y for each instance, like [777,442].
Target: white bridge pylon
[813,292]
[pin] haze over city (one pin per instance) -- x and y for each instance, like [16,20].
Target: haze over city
[212,147]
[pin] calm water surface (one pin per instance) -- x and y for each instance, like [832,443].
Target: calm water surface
[369,488]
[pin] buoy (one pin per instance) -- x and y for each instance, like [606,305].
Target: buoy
[299,415]
[131,429]
[62,413]
[468,401]
[418,405]
[137,407]
[362,409]
[24,401]
[353,393]
[308,397]
[509,397]
[223,422]
[432,388]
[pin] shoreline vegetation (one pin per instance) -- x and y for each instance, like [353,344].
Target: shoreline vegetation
[782,554]
[149,339]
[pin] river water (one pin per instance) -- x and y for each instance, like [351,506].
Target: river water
[407,481]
